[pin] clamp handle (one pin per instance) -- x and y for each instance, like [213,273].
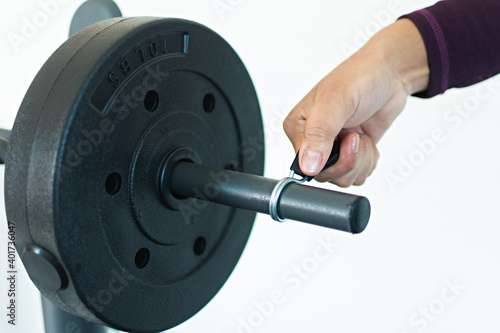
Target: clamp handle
[334,156]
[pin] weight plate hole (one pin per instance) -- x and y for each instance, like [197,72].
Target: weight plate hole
[113,183]
[151,100]
[199,246]
[209,103]
[142,258]
[230,167]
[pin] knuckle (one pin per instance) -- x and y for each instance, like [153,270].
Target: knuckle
[360,181]
[348,163]
[324,177]
[287,124]
[374,162]
[317,133]
[342,182]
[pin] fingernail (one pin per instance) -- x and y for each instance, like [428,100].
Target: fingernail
[355,143]
[311,161]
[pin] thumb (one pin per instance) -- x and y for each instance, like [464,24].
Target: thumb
[322,125]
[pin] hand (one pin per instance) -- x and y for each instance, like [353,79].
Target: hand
[357,102]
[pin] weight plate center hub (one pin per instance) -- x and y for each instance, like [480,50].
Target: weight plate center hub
[91,153]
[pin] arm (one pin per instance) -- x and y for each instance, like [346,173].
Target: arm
[423,53]
[462,38]
[358,101]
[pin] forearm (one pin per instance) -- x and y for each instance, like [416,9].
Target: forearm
[462,39]
[402,49]
[452,44]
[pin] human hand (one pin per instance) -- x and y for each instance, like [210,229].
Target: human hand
[357,102]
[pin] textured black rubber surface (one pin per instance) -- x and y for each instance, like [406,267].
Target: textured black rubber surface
[82,176]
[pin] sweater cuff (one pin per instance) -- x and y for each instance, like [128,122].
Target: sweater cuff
[437,52]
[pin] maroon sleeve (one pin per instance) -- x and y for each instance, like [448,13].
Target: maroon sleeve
[462,38]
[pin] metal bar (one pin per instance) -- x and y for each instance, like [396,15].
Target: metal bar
[93,11]
[4,143]
[308,204]
[57,320]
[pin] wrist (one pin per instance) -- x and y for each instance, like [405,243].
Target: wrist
[403,51]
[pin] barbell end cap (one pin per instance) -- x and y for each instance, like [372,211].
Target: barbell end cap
[360,215]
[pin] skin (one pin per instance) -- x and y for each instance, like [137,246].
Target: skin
[357,102]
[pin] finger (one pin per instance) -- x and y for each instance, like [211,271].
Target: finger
[367,160]
[370,165]
[324,121]
[378,124]
[348,159]
[295,121]
[345,131]
[353,168]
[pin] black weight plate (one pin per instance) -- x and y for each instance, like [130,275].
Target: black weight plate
[82,173]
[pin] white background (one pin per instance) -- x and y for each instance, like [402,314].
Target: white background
[438,227]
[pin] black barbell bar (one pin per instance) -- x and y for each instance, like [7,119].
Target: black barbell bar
[297,202]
